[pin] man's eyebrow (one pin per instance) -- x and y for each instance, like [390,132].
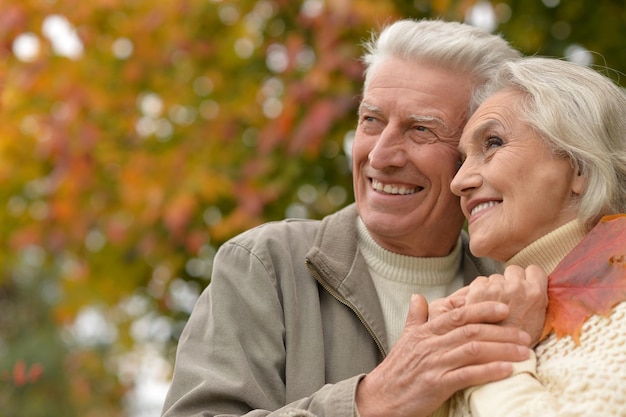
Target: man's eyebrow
[428,119]
[369,107]
[414,117]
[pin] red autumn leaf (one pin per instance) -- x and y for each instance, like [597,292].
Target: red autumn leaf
[590,280]
[19,373]
[36,370]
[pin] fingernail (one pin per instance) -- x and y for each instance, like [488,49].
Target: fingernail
[524,338]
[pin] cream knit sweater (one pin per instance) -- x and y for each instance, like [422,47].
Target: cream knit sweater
[396,277]
[564,379]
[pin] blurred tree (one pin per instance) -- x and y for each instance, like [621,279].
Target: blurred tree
[137,136]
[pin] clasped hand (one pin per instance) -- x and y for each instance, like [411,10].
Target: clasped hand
[523,290]
[467,339]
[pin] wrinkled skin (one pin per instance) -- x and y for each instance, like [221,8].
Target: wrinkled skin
[404,158]
[523,290]
[469,340]
[433,359]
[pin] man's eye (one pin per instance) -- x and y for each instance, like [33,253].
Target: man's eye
[423,134]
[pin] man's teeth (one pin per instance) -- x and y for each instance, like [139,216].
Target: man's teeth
[483,206]
[392,189]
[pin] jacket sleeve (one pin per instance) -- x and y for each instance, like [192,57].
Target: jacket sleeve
[231,355]
[520,395]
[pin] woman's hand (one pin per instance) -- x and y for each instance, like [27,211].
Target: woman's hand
[523,290]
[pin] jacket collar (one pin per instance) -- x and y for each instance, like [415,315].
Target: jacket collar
[335,249]
[340,268]
[338,265]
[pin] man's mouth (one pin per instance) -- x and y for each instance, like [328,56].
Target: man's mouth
[393,188]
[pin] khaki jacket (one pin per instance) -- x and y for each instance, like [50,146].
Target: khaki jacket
[290,321]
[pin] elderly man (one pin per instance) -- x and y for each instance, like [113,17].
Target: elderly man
[306,317]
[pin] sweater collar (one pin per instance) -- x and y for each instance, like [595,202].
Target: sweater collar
[549,250]
[407,269]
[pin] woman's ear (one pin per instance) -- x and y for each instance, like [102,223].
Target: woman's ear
[579,181]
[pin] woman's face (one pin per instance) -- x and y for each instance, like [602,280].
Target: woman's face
[513,189]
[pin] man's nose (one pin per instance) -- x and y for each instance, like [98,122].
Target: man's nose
[389,150]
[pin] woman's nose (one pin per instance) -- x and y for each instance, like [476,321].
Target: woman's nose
[466,179]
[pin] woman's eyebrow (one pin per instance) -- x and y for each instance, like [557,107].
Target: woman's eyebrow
[479,133]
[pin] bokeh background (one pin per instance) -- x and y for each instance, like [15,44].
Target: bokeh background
[136,136]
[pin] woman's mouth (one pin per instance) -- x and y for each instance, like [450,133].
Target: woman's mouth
[484,206]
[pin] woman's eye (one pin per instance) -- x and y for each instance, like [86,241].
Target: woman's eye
[493,142]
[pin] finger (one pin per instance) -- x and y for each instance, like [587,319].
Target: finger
[461,292]
[439,307]
[418,311]
[444,305]
[536,275]
[478,282]
[514,272]
[468,376]
[494,289]
[478,352]
[483,312]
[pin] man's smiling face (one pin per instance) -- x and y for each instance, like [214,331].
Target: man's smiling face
[404,156]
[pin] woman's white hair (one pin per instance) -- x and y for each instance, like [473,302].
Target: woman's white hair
[582,115]
[450,45]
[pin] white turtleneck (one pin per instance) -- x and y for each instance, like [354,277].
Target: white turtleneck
[397,277]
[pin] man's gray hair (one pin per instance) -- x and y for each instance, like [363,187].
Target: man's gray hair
[450,45]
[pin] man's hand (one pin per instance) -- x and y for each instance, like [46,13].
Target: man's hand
[524,291]
[434,359]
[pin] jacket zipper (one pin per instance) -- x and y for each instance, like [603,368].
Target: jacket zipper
[343,301]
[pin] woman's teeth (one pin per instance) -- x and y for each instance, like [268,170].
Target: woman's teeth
[483,206]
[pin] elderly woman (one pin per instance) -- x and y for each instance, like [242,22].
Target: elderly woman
[544,159]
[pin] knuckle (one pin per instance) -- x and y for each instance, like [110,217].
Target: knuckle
[457,316]
[469,332]
[472,349]
[481,280]
[514,270]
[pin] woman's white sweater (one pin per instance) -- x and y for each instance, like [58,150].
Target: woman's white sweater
[561,378]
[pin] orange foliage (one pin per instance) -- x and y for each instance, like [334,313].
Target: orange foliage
[120,165]
[590,280]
